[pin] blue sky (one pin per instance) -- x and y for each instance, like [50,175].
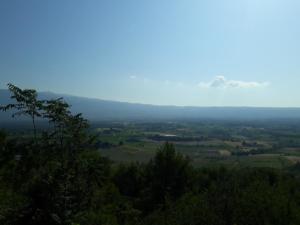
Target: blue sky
[166,52]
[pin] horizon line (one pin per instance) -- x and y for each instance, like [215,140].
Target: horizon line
[165,105]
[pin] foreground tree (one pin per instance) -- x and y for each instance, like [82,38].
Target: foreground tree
[60,173]
[167,176]
[26,104]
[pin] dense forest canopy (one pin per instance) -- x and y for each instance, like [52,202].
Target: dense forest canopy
[57,176]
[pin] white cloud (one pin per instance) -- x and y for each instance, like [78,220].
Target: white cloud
[179,84]
[222,82]
[132,77]
[146,80]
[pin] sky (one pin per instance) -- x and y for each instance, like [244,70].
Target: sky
[163,52]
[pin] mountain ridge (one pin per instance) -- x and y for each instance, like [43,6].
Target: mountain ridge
[99,109]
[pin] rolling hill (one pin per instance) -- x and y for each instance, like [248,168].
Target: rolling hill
[97,110]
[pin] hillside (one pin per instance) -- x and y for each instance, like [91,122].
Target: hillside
[96,109]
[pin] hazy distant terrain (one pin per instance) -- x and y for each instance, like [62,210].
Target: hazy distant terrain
[96,109]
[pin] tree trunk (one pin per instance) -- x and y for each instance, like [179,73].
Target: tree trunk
[34,127]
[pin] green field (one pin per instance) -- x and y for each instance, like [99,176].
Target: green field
[249,144]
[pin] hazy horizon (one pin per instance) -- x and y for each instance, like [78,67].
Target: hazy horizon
[184,53]
[49,94]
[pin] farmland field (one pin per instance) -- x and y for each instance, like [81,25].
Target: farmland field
[210,143]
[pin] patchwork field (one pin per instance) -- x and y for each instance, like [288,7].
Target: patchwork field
[249,144]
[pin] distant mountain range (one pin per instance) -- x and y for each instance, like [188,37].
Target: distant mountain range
[98,110]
